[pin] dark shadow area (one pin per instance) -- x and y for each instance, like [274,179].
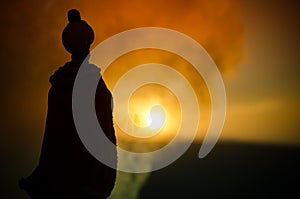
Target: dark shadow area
[66,169]
[231,170]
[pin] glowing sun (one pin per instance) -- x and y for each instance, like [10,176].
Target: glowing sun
[156,117]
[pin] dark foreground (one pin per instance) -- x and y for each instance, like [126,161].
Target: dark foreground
[231,170]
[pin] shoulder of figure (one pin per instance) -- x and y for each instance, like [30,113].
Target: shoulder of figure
[59,73]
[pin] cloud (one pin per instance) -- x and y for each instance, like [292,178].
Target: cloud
[31,48]
[215,25]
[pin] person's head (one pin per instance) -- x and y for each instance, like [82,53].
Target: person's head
[77,36]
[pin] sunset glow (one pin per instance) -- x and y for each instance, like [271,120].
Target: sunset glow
[156,117]
[262,85]
[255,45]
[152,120]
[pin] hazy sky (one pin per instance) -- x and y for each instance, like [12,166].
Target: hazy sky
[263,96]
[255,44]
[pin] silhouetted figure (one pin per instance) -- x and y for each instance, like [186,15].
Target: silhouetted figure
[66,169]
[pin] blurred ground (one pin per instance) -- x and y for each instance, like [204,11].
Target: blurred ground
[231,170]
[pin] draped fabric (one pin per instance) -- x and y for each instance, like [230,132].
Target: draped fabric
[66,169]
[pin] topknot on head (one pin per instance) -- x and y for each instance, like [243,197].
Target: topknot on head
[74,15]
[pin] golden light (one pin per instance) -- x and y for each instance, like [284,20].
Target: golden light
[152,119]
[148,115]
[217,26]
[154,107]
[156,118]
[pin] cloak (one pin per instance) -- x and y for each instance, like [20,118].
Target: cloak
[66,169]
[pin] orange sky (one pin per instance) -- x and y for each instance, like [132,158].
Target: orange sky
[254,43]
[263,97]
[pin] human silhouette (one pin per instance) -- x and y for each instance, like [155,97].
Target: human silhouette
[66,169]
